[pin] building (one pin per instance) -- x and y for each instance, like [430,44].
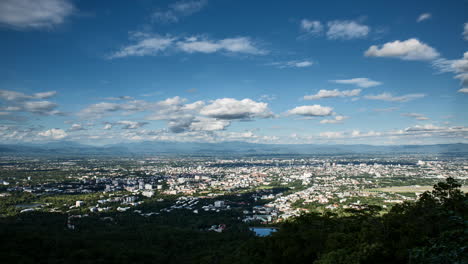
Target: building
[219,203]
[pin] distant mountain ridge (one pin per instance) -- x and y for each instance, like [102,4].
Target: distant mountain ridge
[225,148]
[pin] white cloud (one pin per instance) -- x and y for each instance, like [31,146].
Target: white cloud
[39,107]
[34,14]
[149,45]
[463,90]
[337,120]
[418,128]
[234,45]
[346,29]
[361,82]
[229,108]
[53,133]
[76,127]
[293,64]
[331,135]
[188,7]
[390,98]
[389,109]
[181,117]
[411,49]
[18,96]
[127,124]
[465,31]
[311,27]
[416,116]
[195,106]
[144,47]
[332,93]
[424,16]
[97,110]
[159,110]
[456,66]
[107,126]
[459,67]
[208,124]
[178,10]
[21,102]
[311,110]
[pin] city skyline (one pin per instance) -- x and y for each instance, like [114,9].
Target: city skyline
[214,71]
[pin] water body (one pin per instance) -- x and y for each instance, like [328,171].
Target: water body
[263,231]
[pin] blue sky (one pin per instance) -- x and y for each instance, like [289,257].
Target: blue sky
[328,72]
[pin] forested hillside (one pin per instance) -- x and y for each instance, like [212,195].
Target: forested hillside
[431,230]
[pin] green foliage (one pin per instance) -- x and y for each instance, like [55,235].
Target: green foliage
[431,230]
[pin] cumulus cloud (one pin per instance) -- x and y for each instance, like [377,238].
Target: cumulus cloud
[152,45]
[390,98]
[197,124]
[229,108]
[332,93]
[54,134]
[360,82]
[209,124]
[40,107]
[311,27]
[21,102]
[179,9]
[336,29]
[181,117]
[337,120]
[195,106]
[346,29]
[463,90]
[311,110]
[293,64]
[424,16]
[411,49]
[34,14]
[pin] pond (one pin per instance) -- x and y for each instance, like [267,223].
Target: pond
[263,231]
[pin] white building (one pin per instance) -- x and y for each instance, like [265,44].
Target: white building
[219,203]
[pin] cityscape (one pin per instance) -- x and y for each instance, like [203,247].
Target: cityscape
[234,131]
[274,189]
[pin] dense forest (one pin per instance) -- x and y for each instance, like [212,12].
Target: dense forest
[433,229]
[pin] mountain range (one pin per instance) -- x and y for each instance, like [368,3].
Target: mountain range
[224,148]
